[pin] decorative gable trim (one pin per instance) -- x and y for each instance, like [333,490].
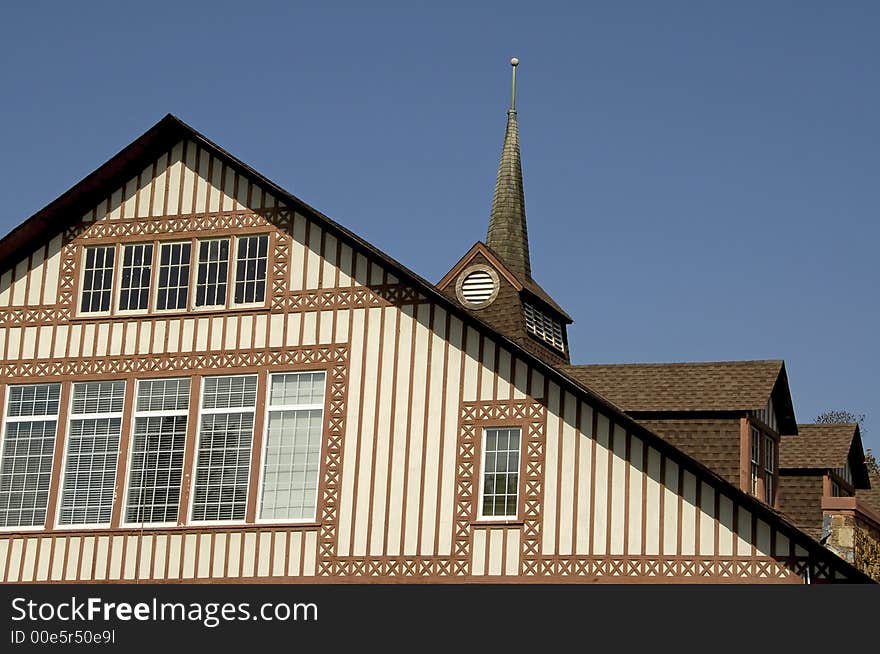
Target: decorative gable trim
[477,249]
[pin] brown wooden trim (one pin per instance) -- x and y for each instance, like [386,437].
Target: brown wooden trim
[187,480]
[257,454]
[58,456]
[122,457]
[745,461]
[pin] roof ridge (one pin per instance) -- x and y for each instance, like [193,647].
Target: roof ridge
[674,363]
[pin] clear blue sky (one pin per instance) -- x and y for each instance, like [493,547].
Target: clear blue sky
[701,177]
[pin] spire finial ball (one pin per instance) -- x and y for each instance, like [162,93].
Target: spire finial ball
[514,61]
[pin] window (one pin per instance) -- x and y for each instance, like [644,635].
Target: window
[157,449]
[174,266]
[499,495]
[755,469]
[134,287]
[212,272]
[26,453]
[97,278]
[846,473]
[769,468]
[292,455]
[176,288]
[544,327]
[224,450]
[250,269]
[92,450]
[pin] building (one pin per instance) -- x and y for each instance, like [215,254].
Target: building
[206,379]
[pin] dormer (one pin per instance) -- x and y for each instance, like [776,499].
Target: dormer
[494,279]
[517,307]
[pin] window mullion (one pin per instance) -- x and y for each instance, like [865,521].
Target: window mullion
[122,453]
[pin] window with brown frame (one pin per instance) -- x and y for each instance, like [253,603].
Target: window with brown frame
[762,465]
[755,468]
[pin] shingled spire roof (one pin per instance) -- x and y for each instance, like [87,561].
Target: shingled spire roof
[508,235]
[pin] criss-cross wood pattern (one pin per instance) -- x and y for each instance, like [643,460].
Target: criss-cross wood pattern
[411,383]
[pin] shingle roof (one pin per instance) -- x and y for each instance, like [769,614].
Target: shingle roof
[508,234]
[817,446]
[710,386]
[66,209]
[871,496]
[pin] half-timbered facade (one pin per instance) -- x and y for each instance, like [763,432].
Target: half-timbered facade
[205,379]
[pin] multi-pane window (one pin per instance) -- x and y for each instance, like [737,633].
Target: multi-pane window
[755,467]
[250,269]
[543,326]
[212,272]
[97,284]
[195,273]
[157,448]
[769,468]
[762,465]
[293,446]
[173,283]
[26,453]
[89,480]
[224,450]
[134,285]
[499,494]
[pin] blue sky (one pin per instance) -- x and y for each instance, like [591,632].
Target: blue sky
[701,177]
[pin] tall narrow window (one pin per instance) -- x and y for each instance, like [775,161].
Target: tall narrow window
[97,278]
[769,467]
[26,453]
[293,446]
[755,469]
[499,495]
[174,263]
[250,269]
[157,449]
[224,452]
[134,286]
[212,272]
[92,450]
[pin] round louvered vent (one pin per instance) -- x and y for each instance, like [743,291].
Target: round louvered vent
[477,286]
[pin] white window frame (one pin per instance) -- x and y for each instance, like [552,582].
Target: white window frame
[82,280]
[769,456]
[482,481]
[195,461]
[154,303]
[149,414]
[194,274]
[265,444]
[543,327]
[7,419]
[67,434]
[117,300]
[233,273]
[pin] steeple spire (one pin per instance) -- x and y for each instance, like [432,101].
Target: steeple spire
[508,235]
